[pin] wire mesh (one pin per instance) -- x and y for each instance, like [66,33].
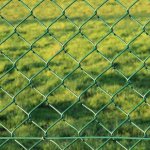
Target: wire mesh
[74,74]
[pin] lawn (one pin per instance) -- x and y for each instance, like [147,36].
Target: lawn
[75,68]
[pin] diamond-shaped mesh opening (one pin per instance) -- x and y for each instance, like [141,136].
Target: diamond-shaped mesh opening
[28,29]
[141,81]
[62,129]
[14,49]
[31,98]
[17,9]
[127,99]
[62,29]
[78,51]
[46,81]
[17,116]
[139,12]
[13,82]
[111,12]
[138,47]
[62,64]
[81,9]
[94,26]
[47,12]
[78,81]
[96,66]
[46,47]
[140,116]
[45,116]
[28,129]
[125,66]
[128,129]
[127,31]
[29,67]
[94,98]
[78,120]
[111,46]
[61,98]
[114,117]
[95,129]
[111,81]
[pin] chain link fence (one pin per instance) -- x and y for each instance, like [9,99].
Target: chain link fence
[74,74]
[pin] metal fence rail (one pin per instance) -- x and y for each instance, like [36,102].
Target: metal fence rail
[68,113]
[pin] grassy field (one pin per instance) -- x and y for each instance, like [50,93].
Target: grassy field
[50,62]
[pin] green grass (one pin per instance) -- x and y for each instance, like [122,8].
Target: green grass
[31,61]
